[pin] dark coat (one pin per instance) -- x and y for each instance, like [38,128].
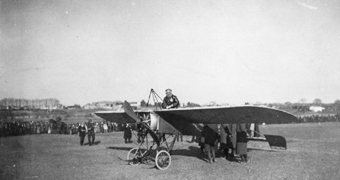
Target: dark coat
[241,145]
[233,135]
[229,136]
[90,127]
[127,133]
[170,101]
[82,131]
[210,136]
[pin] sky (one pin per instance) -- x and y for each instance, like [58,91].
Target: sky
[83,51]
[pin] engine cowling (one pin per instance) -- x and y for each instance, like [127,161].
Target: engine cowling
[154,118]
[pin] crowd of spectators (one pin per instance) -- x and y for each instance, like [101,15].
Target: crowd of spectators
[24,127]
[318,118]
[19,128]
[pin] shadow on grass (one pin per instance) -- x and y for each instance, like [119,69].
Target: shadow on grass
[191,152]
[266,150]
[120,148]
[95,143]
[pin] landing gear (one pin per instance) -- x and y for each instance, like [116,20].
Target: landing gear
[134,156]
[163,160]
[160,155]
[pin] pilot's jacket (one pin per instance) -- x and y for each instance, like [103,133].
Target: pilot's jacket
[171,101]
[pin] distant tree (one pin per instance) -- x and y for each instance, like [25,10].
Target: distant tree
[30,104]
[288,103]
[337,101]
[212,103]
[190,104]
[258,103]
[302,105]
[143,103]
[336,106]
[317,101]
[156,104]
[303,101]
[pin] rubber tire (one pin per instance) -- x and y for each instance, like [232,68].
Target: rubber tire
[132,154]
[160,157]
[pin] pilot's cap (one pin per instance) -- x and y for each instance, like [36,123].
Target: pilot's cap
[90,120]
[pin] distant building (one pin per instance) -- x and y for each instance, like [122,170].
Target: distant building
[135,105]
[105,105]
[316,108]
[45,107]
[76,106]
[109,105]
[89,106]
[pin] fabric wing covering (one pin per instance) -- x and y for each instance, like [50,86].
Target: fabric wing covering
[117,117]
[230,115]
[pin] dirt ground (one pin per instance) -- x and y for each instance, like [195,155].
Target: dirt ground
[313,153]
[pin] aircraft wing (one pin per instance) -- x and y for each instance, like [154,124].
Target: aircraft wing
[227,115]
[114,116]
[185,121]
[127,116]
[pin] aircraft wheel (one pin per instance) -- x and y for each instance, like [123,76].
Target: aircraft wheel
[163,160]
[134,156]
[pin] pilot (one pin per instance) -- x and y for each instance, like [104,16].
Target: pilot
[170,100]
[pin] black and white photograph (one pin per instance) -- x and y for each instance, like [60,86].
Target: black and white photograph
[169,89]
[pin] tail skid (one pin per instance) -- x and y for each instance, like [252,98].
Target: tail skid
[274,141]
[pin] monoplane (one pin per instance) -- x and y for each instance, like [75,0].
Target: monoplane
[188,121]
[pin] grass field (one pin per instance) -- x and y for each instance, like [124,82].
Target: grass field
[313,153]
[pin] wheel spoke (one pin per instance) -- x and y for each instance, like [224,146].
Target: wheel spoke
[163,160]
[134,156]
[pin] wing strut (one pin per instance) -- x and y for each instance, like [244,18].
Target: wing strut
[155,98]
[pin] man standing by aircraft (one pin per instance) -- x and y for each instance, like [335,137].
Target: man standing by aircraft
[90,132]
[170,100]
[241,145]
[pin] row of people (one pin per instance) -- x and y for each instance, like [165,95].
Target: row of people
[89,129]
[27,128]
[232,138]
[19,128]
[99,127]
[317,118]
